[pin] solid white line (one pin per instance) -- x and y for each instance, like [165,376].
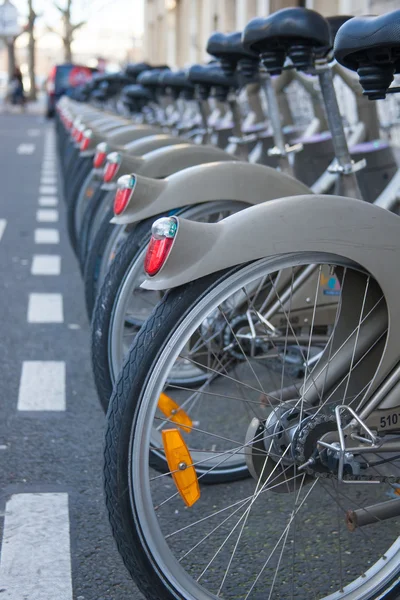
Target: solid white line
[47,236]
[42,386]
[36,553]
[47,215]
[3,224]
[45,308]
[48,189]
[26,149]
[48,200]
[46,264]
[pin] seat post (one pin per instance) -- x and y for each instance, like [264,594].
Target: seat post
[276,124]
[347,184]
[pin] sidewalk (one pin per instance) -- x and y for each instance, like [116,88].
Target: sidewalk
[31,108]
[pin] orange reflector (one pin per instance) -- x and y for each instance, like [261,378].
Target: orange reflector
[179,463]
[175,413]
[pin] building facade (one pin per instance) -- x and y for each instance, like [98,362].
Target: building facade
[176,31]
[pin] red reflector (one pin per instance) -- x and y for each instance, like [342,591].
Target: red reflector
[87,136]
[101,155]
[112,166]
[99,159]
[121,200]
[156,255]
[85,144]
[163,234]
[110,171]
[79,136]
[124,192]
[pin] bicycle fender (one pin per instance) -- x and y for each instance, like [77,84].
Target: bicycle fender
[206,182]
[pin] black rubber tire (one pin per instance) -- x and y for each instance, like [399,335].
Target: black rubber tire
[104,307]
[121,423]
[88,217]
[71,210]
[93,261]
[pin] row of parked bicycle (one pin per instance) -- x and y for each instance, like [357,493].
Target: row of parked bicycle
[240,274]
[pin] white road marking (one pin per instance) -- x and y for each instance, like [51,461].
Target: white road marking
[48,189]
[45,308]
[47,215]
[48,200]
[26,149]
[47,236]
[36,553]
[33,132]
[42,386]
[3,224]
[46,264]
[48,180]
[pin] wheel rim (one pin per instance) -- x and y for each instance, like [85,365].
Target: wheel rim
[356,582]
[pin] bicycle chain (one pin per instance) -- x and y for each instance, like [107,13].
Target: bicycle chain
[301,439]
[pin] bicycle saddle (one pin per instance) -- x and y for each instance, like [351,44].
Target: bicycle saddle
[228,46]
[98,95]
[210,75]
[335,24]
[137,91]
[150,78]
[293,31]
[175,79]
[371,46]
[134,69]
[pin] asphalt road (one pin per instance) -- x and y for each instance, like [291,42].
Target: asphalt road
[56,543]
[54,526]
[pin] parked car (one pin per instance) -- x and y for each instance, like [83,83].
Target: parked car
[62,79]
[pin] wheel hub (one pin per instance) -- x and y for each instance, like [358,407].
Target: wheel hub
[277,448]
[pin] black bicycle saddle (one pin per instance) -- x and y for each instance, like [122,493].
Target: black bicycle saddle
[228,46]
[150,78]
[137,92]
[210,75]
[335,24]
[132,70]
[290,31]
[371,46]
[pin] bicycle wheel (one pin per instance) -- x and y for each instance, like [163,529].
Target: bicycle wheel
[122,306]
[282,532]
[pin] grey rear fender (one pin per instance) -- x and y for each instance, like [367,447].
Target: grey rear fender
[206,182]
[152,142]
[312,223]
[128,133]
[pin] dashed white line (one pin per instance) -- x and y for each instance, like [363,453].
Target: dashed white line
[47,215]
[46,264]
[48,189]
[26,149]
[36,553]
[47,236]
[42,386]
[3,224]
[48,180]
[48,200]
[45,308]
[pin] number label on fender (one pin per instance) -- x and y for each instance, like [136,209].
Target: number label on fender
[390,421]
[386,420]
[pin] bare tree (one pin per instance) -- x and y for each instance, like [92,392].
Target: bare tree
[31,49]
[68,30]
